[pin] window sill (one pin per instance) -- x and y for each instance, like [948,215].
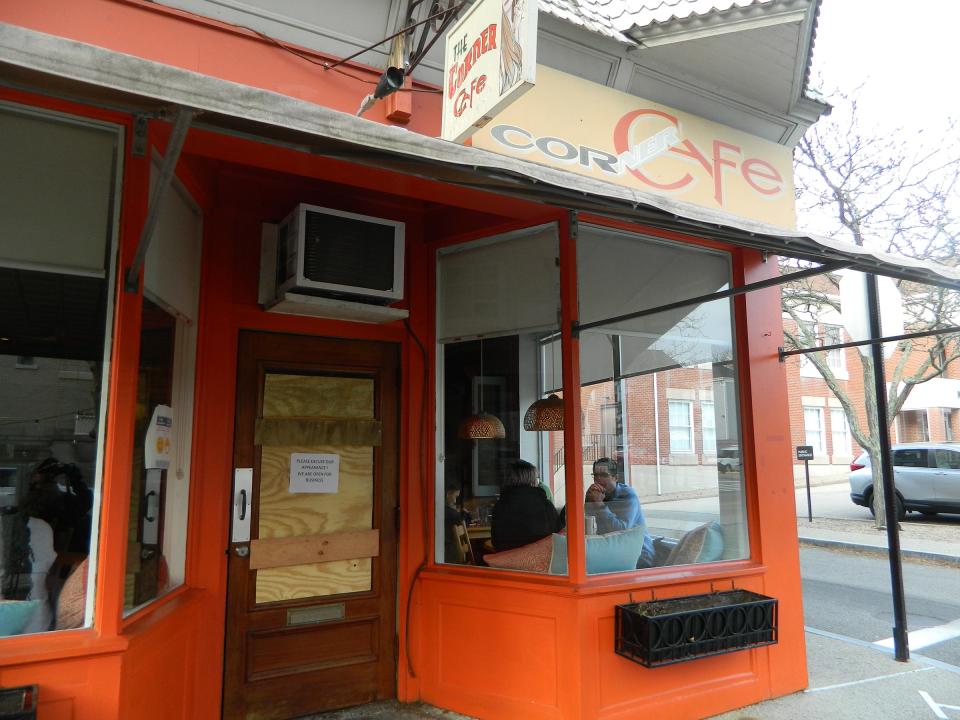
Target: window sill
[561,585]
[159,608]
[61,644]
[57,645]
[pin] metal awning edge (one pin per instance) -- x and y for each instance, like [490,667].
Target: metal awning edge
[164,85]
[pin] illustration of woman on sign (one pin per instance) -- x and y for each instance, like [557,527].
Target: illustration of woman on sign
[511,51]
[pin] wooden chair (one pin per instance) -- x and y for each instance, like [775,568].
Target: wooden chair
[461,541]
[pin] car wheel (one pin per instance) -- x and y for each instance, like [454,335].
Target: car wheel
[901,511]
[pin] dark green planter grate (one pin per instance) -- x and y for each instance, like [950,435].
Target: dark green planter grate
[664,632]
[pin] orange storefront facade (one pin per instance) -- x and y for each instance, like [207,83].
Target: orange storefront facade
[181,621]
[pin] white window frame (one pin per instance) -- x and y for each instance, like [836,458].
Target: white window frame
[836,359]
[707,410]
[819,447]
[688,428]
[839,439]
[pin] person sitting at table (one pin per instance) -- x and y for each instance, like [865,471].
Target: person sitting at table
[452,515]
[522,514]
[615,506]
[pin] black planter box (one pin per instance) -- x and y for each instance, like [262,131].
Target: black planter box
[663,632]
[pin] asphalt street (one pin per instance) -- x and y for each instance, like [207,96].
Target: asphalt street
[849,594]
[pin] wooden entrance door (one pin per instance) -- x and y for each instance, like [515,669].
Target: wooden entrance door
[311,598]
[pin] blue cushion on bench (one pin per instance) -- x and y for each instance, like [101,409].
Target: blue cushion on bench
[613,552]
[15,614]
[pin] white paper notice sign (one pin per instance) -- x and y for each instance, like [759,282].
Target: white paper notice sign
[314,473]
[157,443]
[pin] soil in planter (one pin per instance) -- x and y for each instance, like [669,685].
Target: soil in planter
[693,603]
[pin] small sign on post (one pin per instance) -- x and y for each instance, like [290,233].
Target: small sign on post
[805,453]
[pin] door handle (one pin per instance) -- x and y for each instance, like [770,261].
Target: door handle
[242,504]
[146,506]
[242,550]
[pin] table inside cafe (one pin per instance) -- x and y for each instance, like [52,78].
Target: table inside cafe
[480,541]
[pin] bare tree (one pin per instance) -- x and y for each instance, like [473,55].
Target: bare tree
[892,191]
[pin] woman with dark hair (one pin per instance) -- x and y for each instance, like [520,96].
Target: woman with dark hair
[523,514]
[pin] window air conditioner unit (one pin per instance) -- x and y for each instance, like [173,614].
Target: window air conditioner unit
[317,251]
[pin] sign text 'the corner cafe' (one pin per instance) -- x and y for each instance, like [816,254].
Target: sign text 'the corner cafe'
[609,135]
[490,59]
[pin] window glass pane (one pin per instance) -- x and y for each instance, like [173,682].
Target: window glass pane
[54,348]
[671,379]
[948,459]
[500,496]
[813,427]
[910,458]
[839,431]
[709,427]
[681,426]
[833,335]
[160,473]
[159,496]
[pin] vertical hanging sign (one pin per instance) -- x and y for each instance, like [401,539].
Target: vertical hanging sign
[490,61]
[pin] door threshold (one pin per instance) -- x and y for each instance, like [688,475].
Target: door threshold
[389,710]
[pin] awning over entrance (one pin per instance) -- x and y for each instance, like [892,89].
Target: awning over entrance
[36,61]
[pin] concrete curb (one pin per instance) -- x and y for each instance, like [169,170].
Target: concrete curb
[879,550]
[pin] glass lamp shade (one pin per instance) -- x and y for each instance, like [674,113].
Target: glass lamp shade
[544,414]
[482,426]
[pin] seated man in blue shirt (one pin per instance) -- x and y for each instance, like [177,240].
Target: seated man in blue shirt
[616,506]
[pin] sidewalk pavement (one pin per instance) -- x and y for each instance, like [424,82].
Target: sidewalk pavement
[862,537]
[854,679]
[851,678]
[848,678]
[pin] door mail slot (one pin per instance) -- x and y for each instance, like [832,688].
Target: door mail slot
[315,614]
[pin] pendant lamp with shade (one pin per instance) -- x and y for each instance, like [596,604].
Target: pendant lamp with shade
[481,425]
[545,414]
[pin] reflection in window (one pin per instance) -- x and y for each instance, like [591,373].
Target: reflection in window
[709,426]
[56,233]
[156,549]
[497,312]
[146,567]
[681,425]
[671,379]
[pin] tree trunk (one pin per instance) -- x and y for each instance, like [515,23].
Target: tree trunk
[873,447]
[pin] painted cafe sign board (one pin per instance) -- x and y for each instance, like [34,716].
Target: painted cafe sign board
[489,61]
[576,125]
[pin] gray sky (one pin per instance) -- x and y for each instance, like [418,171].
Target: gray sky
[905,53]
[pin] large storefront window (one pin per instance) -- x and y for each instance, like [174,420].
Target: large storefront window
[670,381]
[500,486]
[58,184]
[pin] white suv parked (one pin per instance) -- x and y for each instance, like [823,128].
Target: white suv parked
[926,477]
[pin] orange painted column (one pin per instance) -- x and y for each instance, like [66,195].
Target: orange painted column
[767,424]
